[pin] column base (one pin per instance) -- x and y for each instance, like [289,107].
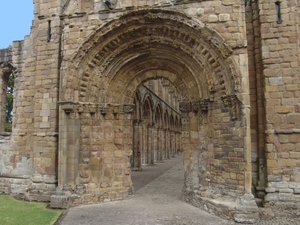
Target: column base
[242,209]
[136,169]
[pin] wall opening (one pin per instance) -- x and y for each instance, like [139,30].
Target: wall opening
[7,89]
[156,130]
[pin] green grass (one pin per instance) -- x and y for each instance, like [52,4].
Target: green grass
[14,212]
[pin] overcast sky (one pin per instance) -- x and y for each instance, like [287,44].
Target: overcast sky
[15,20]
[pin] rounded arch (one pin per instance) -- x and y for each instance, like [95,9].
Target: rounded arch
[125,52]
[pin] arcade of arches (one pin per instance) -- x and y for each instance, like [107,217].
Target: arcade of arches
[101,89]
[156,124]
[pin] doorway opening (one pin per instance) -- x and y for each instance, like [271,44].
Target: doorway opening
[156,131]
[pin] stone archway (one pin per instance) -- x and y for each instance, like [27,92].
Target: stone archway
[98,91]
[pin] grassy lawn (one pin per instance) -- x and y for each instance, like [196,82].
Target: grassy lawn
[14,212]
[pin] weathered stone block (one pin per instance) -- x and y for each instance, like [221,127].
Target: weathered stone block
[293,118]
[224,17]
[271,197]
[212,18]
[284,109]
[276,81]
[59,201]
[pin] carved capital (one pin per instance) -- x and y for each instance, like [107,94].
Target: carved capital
[115,109]
[228,100]
[204,104]
[68,108]
[92,109]
[185,106]
[128,108]
[196,106]
[104,109]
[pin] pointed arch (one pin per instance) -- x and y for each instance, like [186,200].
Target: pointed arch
[158,115]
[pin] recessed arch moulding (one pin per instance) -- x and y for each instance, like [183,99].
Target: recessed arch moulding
[98,89]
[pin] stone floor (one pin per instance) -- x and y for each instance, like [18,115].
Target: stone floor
[157,201]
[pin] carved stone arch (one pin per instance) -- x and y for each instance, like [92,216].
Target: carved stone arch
[154,43]
[155,35]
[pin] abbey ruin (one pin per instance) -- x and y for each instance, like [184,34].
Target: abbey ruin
[103,87]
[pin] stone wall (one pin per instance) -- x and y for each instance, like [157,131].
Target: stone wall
[235,70]
[280,60]
[6,55]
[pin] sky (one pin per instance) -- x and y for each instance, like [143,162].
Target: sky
[15,20]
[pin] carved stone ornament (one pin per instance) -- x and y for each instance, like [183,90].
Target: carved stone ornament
[92,109]
[104,110]
[110,4]
[227,100]
[231,102]
[196,106]
[68,108]
[223,47]
[128,108]
[115,109]
[204,104]
[234,74]
[185,106]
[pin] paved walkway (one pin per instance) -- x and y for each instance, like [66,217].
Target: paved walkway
[157,201]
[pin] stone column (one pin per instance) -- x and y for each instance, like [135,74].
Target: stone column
[69,136]
[158,147]
[161,144]
[136,161]
[68,154]
[125,152]
[172,143]
[178,142]
[150,145]
[168,142]
[144,144]
[140,144]
[155,147]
